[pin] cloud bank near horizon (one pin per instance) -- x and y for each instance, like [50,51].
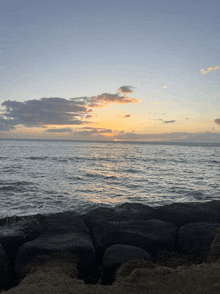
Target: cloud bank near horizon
[89,133]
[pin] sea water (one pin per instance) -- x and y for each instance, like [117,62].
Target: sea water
[54,176]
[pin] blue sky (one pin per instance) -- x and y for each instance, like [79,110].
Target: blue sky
[164,53]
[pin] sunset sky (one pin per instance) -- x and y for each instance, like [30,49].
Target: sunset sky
[110,70]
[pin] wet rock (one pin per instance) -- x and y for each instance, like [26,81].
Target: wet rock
[63,232]
[14,234]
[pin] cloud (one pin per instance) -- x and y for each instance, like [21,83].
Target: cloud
[212,137]
[63,130]
[169,121]
[125,89]
[216,67]
[6,125]
[86,131]
[56,111]
[46,111]
[217,121]
[164,87]
[104,99]
[125,116]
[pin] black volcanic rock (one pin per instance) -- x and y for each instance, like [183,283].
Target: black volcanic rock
[63,232]
[189,212]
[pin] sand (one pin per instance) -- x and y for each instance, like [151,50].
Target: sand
[61,276]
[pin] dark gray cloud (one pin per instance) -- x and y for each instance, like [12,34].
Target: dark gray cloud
[55,110]
[169,121]
[63,130]
[6,125]
[46,111]
[217,121]
[125,89]
[127,115]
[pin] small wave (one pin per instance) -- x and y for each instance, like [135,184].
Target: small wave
[197,195]
[76,158]
[110,177]
[8,170]
[14,186]
[75,178]
[92,175]
[37,157]
[133,171]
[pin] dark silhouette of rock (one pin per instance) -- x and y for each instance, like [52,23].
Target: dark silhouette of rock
[150,235]
[16,233]
[189,212]
[5,270]
[118,254]
[63,232]
[195,238]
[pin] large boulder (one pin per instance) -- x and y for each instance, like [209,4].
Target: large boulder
[189,212]
[63,232]
[13,234]
[196,238]
[123,212]
[107,228]
[118,254]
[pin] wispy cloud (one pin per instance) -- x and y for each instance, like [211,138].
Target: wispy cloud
[86,131]
[125,89]
[169,121]
[216,67]
[63,130]
[217,121]
[57,111]
[125,116]
[104,99]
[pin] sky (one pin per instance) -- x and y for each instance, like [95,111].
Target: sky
[110,70]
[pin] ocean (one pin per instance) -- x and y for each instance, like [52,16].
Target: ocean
[38,176]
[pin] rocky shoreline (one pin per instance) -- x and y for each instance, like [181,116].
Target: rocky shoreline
[105,238]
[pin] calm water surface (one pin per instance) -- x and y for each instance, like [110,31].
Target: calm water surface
[53,176]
